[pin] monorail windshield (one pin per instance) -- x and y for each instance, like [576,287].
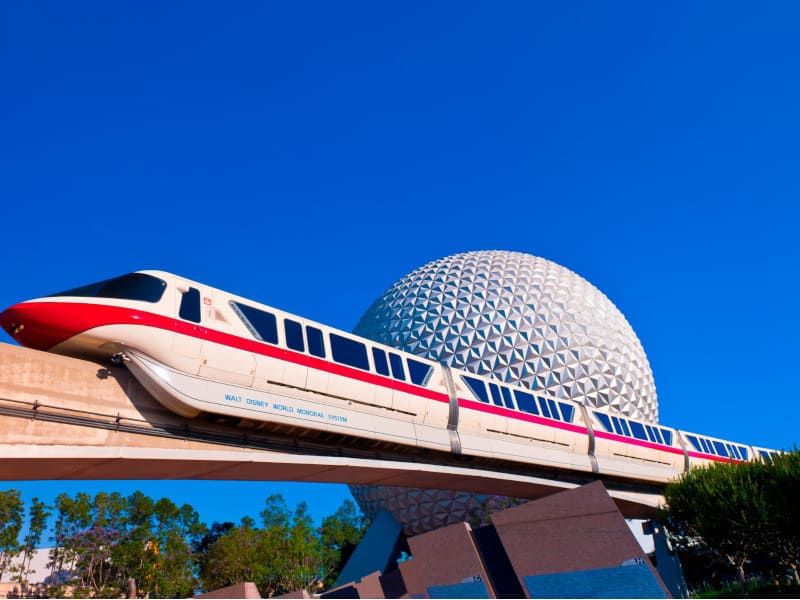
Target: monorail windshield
[133,286]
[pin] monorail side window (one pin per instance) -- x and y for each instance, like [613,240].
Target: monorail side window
[694,442]
[495,394]
[133,286]
[605,421]
[507,399]
[379,358]
[262,324]
[567,411]
[349,352]
[720,448]
[526,402]
[190,305]
[397,366]
[418,371]
[316,345]
[294,335]
[638,430]
[544,407]
[478,388]
[553,410]
[667,434]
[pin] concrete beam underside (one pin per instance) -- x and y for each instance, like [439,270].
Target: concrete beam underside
[65,418]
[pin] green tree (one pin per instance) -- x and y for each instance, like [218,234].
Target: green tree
[782,482]
[11,518]
[37,521]
[725,506]
[339,535]
[104,541]
[236,557]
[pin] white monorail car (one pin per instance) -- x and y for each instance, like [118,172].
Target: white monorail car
[198,350]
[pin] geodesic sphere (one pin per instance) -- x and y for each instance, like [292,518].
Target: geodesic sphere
[520,319]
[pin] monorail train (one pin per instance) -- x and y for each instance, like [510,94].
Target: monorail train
[198,349]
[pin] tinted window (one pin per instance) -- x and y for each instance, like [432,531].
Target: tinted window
[605,421]
[262,324]
[617,426]
[379,358]
[553,409]
[190,305]
[567,411]
[294,335]
[134,286]
[638,430]
[316,345]
[397,367]
[478,388]
[544,407]
[694,442]
[526,402]
[418,372]
[667,436]
[625,429]
[507,399]
[720,448]
[743,452]
[349,352]
[495,394]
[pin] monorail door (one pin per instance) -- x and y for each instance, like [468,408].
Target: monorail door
[188,339]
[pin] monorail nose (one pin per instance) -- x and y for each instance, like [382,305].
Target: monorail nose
[35,325]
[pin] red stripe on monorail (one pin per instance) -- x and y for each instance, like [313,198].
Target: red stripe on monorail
[705,456]
[51,323]
[522,416]
[637,442]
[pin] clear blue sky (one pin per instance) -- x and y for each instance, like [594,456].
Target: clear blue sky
[308,155]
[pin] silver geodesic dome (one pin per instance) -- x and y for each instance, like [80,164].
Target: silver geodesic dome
[518,318]
[521,319]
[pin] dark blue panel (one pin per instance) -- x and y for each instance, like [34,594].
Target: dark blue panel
[397,366]
[495,394]
[507,399]
[638,430]
[316,345]
[695,442]
[349,352]
[294,335]
[262,324]
[617,426]
[604,420]
[634,581]
[418,371]
[667,436]
[478,388]
[379,358]
[526,402]
[720,448]
[567,411]
[553,410]
[190,305]
[544,407]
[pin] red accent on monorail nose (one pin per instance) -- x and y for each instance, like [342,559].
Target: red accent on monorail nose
[40,325]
